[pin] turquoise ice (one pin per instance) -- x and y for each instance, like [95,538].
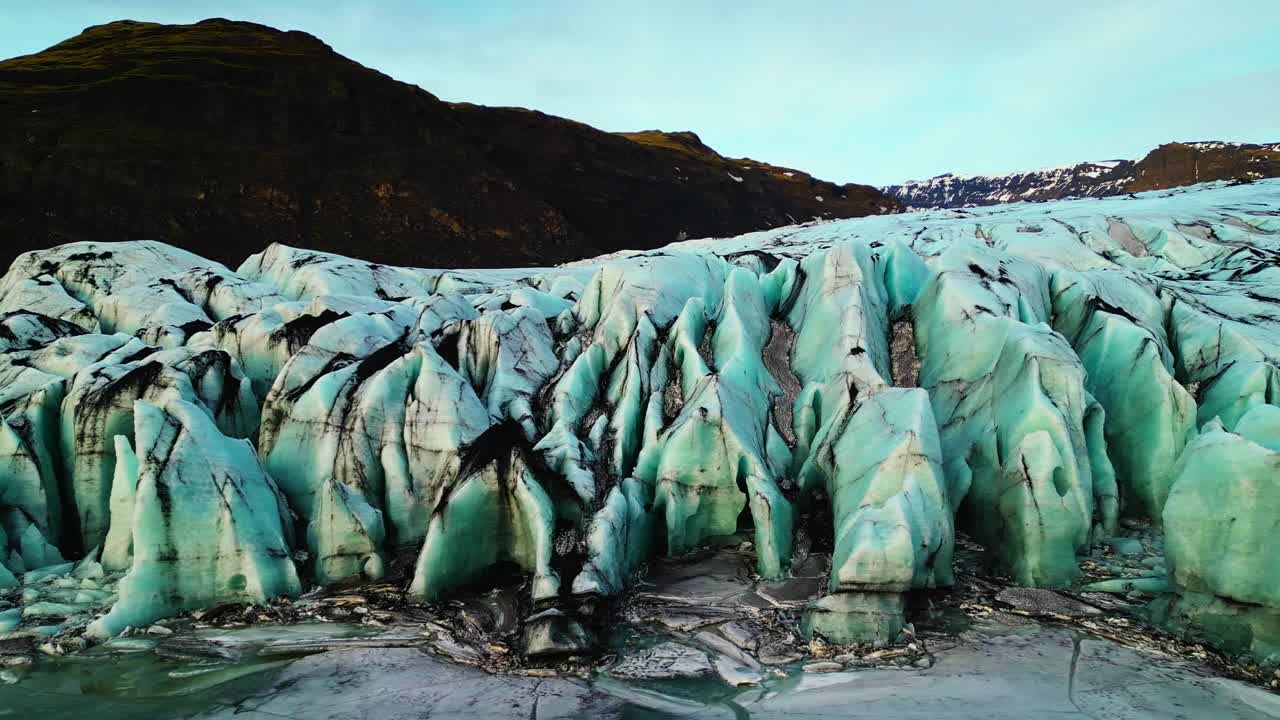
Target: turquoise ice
[208,525]
[1025,374]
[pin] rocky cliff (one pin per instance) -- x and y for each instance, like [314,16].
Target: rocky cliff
[1177,164]
[222,137]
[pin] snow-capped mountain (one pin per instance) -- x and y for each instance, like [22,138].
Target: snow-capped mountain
[951,190]
[1170,165]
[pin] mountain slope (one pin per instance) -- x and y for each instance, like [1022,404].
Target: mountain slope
[1178,164]
[223,136]
[1170,165]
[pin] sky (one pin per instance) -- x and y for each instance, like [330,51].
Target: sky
[850,91]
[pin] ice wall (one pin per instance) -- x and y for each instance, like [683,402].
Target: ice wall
[207,525]
[1024,373]
[1021,447]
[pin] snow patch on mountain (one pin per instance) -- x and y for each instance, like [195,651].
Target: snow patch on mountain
[1087,179]
[1213,160]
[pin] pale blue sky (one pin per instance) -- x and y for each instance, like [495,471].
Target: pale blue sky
[872,92]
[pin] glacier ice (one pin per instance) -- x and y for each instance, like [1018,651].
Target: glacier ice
[1225,569]
[207,523]
[1013,413]
[879,461]
[1115,320]
[1025,374]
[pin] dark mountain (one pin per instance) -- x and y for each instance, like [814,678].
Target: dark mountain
[222,137]
[1171,165]
[1177,164]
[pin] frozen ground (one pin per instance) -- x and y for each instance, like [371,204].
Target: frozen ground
[998,671]
[990,663]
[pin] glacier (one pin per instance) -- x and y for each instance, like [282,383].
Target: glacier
[181,435]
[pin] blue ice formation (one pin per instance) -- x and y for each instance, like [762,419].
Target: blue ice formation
[206,524]
[1026,374]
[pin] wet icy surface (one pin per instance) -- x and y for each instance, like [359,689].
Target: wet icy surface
[1000,668]
[695,627]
